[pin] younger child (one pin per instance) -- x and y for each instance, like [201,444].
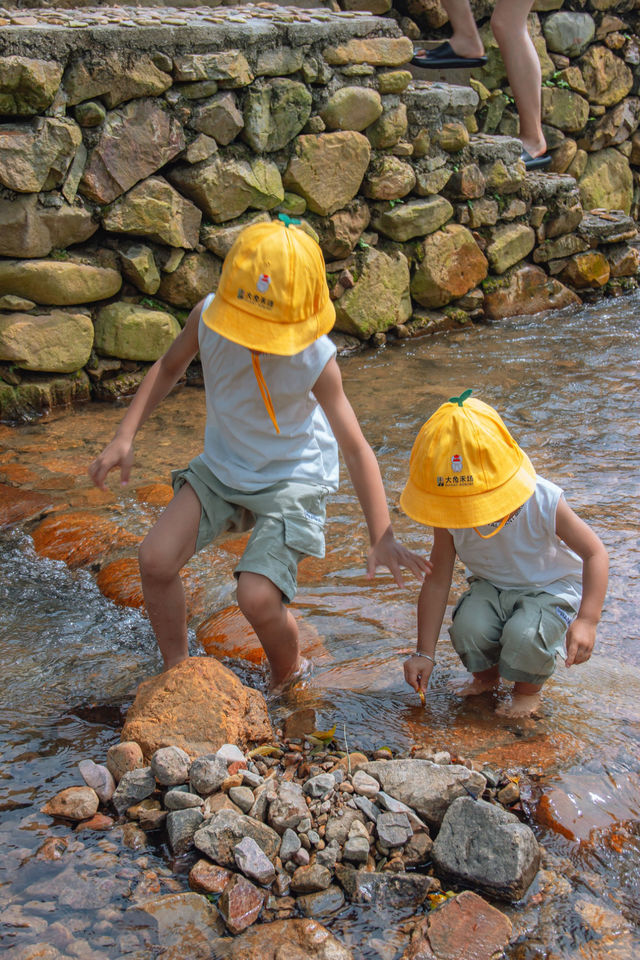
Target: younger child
[536,571]
[275,409]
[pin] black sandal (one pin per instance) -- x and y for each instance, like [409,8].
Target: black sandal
[535,163]
[444,57]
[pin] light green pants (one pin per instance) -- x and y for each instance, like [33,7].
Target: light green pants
[519,630]
[287,518]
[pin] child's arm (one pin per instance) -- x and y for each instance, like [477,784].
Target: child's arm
[160,379]
[431,606]
[582,540]
[365,474]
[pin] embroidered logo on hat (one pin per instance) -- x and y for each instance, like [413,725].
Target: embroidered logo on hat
[264,281]
[456,463]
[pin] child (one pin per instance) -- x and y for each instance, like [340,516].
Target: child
[270,456]
[536,571]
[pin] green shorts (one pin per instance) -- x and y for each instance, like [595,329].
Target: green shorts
[519,630]
[287,518]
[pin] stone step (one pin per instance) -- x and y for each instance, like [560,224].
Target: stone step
[430,104]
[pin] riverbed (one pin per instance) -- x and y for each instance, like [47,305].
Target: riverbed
[568,387]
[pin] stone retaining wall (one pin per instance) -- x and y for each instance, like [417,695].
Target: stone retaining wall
[136,143]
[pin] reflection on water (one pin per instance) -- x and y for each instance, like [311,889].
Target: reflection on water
[568,388]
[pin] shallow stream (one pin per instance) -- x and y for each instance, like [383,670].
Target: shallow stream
[568,387]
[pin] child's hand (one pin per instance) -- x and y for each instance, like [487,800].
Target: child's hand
[387,552]
[581,637]
[118,453]
[417,671]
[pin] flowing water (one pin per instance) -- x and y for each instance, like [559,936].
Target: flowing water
[568,386]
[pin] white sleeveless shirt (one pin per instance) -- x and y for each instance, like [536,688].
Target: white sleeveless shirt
[527,553]
[241,446]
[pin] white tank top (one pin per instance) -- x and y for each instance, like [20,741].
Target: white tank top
[241,446]
[527,553]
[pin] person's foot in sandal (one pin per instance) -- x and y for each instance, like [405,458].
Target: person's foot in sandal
[535,163]
[444,57]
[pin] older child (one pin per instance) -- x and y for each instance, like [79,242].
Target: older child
[275,409]
[536,571]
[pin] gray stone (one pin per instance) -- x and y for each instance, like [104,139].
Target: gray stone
[416,218]
[290,845]
[394,829]
[219,118]
[181,827]
[225,829]
[242,797]
[181,800]
[320,786]
[390,890]
[288,808]
[569,32]
[483,845]
[207,774]
[365,785]
[133,332]
[170,766]
[356,849]
[426,787]
[275,111]
[252,862]
[321,904]
[134,785]
[96,776]
[370,810]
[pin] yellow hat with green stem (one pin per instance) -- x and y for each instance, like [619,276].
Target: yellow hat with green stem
[466,470]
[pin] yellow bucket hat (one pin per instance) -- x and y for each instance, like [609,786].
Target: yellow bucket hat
[272,296]
[466,470]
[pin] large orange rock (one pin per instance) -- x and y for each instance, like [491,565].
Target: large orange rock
[287,938]
[20,505]
[228,634]
[156,494]
[120,582]
[80,537]
[198,705]
[465,926]
[527,290]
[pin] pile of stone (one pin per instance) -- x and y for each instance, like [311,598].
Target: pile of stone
[279,832]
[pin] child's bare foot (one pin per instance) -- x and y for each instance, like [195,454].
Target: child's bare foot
[520,705]
[474,687]
[302,670]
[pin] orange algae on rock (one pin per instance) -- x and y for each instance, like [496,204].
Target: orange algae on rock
[228,634]
[80,537]
[20,505]
[155,494]
[120,582]
[17,473]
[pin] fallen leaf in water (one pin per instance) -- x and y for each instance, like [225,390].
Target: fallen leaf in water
[266,750]
[322,736]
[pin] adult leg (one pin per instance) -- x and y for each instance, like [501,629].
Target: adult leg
[465,39]
[509,25]
[475,633]
[261,603]
[162,554]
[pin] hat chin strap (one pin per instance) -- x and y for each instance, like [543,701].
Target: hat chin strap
[487,536]
[264,390]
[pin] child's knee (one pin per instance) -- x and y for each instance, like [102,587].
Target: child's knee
[258,598]
[154,563]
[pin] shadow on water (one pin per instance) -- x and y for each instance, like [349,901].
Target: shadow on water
[568,388]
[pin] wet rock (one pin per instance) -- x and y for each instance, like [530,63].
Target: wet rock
[133,332]
[322,903]
[509,244]
[124,757]
[74,803]
[310,879]
[116,77]
[527,290]
[379,298]
[59,283]
[181,914]
[55,342]
[451,264]
[134,785]
[206,877]
[133,836]
[485,846]
[99,778]
[389,890]
[155,210]
[219,835]
[240,904]
[197,705]
[275,111]
[135,141]
[98,822]
[465,926]
[623,260]
[252,862]
[586,270]
[294,939]
[327,169]
[181,828]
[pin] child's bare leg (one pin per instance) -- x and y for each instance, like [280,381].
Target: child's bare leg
[525,699]
[261,603]
[162,554]
[482,682]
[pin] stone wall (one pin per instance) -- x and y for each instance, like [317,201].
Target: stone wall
[133,150]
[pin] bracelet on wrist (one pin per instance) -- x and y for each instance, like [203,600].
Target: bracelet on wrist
[426,656]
